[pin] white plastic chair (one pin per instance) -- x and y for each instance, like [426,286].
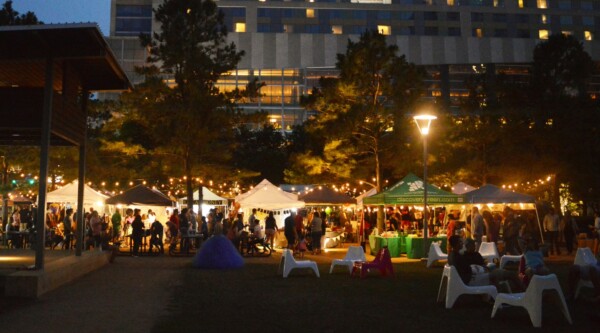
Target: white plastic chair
[509,258]
[531,299]
[435,254]
[584,257]
[489,251]
[288,263]
[455,287]
[354,254]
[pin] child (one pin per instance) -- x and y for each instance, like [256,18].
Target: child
[301,246]
[532,262]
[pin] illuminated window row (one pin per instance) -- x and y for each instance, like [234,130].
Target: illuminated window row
[523,33]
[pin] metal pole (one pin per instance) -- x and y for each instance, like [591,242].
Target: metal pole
[425,210]
[40,222]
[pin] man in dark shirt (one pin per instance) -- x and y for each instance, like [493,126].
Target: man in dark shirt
[137,231]
[463,262]
[290,230]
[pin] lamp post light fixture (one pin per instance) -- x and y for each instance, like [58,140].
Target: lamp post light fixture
[424,125]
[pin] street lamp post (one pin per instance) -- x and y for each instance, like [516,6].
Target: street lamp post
[424,124]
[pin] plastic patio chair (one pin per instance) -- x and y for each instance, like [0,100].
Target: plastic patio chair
[354,254]
[382,262]
[505,259]
[531,299]
[288,263]
[584,256]
[456,287]
[435,254]
[489,251]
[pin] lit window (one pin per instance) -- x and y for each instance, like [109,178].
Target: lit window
[450,2]
[542,4]
[478,32]
[310,13]
[567,32]
[288,28]
[240,27]
[384,29]
[336,29]
[521,4]
[544,19]
[498,3]
[587,35]
[544,34]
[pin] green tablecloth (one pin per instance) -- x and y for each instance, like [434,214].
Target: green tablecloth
[414,246]
[396,245]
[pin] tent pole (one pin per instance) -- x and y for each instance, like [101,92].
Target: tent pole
[539,224]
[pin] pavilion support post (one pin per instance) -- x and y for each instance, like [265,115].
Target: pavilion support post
[40,221]
[80,231]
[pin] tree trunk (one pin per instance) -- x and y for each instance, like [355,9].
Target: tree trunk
[555,193]
[380,209]
[188,181]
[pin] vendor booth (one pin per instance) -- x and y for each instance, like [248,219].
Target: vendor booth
[209,201]
[494,198]
[266,197]
[68,195]
[339,207]
[409,191]
[144,198]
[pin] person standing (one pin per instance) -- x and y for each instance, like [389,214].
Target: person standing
[67,223]
[116,224]
[289,229]
[184,227]
[270,229]
[96,226]
[492,228]
[476,226]
[316,227]
[137,232]
[252,221]
[551,222]
[510,232]
[299,222]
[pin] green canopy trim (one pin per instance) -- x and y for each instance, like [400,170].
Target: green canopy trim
[411,190]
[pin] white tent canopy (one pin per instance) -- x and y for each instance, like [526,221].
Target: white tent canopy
[268,196]
[68,194]
[209,200]
[461,188]
[208,197]
[359,199]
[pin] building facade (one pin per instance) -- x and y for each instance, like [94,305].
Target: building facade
[289,45]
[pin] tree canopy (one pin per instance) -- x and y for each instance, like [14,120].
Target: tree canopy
[9,16]
[362,114]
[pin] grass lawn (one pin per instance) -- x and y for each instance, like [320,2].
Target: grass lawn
[257,299]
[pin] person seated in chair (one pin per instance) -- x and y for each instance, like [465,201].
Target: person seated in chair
[532,262]
[469,264]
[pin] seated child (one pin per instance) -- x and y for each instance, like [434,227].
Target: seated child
[301,246]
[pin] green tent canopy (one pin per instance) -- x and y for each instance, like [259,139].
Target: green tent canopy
[410,191]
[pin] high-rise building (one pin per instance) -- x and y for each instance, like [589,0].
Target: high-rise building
[290,44]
